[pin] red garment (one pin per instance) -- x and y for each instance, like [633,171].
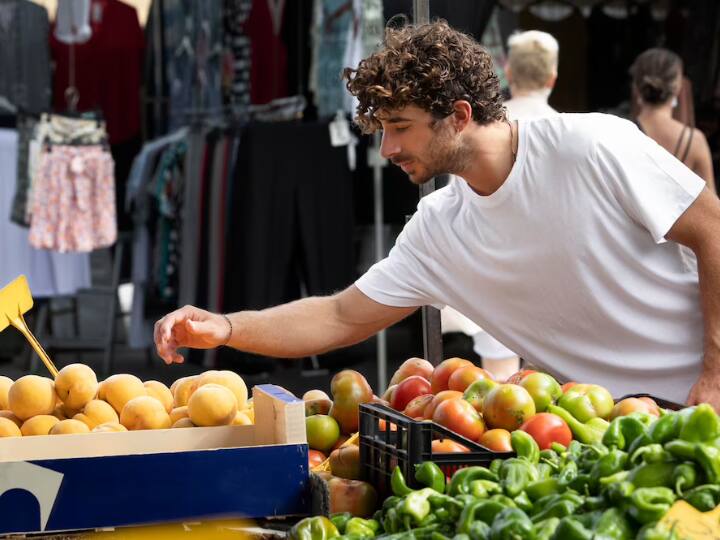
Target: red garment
[268,71]
[108,68]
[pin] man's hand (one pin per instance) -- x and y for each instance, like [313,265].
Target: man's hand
[706,389]
[189,327]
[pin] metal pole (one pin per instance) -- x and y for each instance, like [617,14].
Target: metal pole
[377,164]
[432,330]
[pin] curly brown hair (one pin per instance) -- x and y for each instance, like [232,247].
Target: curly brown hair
[430,66]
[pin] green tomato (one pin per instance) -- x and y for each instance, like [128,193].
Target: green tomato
[543,388]
[587,401]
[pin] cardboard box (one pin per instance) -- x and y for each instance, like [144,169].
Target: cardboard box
[88,481]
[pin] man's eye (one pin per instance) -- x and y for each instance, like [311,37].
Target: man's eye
[401,129]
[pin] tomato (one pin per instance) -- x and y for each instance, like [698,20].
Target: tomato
[443,446]
[461,417]
[476,392]
[442,372]
[410,367]
[547,428]
[631,405]
[315,458]
[587,401]
[349,389]
[354,496]
[437,400]
[382,425]
[507,406]
[341,440]
[322,432]
[497,440]
[518,376]
[408,389]
[388,394]
[543,388]
[463,377]
[651,402]
[417,405]
[312,395]
[567,386]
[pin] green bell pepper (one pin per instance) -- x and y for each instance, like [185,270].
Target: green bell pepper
[484,511]
[580,431]
[702,425]
[665,428]
[567,473]
[680,449]
[340,520]
[651,504]
[581,483]
[314,528]
[652,453]
[515,475]
[416,504]
[482,489]
[479,531]
[506,501]
[366,528]
[551,457]
[523,502]
[545,530]
[430,475]
[685,477]
[708,457]
[643,440]
[652,475]
[596,502]
[619,493]
[391,502]
[607,465]
[511,524]
[541,488]
[544,471]
[398,485]
[460,481]
[558,509]
[525,446]
[445,507]
[558,448]
[704,498]
[391,522]
[495,465]
[656,531]
[613,525]
[571,528]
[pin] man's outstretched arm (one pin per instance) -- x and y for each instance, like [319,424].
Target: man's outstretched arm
[301,328]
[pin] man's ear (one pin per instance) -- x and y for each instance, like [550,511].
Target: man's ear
[462,115]
[508,74]
[551,81]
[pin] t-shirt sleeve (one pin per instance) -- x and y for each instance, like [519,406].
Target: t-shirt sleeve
[652,185]
[403,278]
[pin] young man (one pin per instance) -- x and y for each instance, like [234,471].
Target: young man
[578,235]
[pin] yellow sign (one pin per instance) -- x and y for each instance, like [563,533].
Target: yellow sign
[691,524]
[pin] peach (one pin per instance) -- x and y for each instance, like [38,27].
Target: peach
[32,395]
[160,392]
[5,384]
[38,425]
[183,389]
[109,427]
[67,427]
[241,419]
[76,384]
[10,416]
[97,412]
[144,412]
[212,405]
[229,379]
[8,428]
[183,422]
[312,395]
[178,412]
[119,389]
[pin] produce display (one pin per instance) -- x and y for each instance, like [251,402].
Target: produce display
[75,402]
[618,487]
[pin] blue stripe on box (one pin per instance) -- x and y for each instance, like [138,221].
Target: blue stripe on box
[129,490]
[280,393]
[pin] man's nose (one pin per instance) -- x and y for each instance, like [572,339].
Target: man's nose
[388,146]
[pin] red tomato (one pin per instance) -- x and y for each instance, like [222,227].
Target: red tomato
[408,389]
[417,405]
[518,376]
[497,440]
[382,425]
[315,458]
[438,399]
[442,446]
[547,428]
[461,417]
[631,405]
[442,373]
[567,386]
[507,406]
[463,377]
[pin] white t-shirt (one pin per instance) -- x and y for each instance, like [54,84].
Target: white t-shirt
[530,105]
[568,256]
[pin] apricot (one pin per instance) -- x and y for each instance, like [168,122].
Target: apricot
[144,412]
[97,412]
[241,419]
[8,428]
[160,392]
[10,416]
[38,425]
[32,395]
[178,412]
[312,395]
[212,405]
[183,422]
[229,379]
[183,389]
[119,389]
[109,427]
[76,384]
[5,384]
[68,427]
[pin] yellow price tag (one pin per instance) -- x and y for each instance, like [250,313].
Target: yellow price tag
[691,524]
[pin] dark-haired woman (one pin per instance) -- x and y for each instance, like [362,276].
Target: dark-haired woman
[657,78]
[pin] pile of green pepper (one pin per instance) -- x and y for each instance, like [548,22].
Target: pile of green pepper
[616,488]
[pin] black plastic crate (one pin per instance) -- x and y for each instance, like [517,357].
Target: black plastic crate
[407,444]
[662,403]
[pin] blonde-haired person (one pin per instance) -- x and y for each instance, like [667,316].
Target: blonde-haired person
[656,83]
[531,71]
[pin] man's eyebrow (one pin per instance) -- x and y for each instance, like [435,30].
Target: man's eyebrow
[397,119]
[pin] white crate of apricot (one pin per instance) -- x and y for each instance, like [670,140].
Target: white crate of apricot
[75,402]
